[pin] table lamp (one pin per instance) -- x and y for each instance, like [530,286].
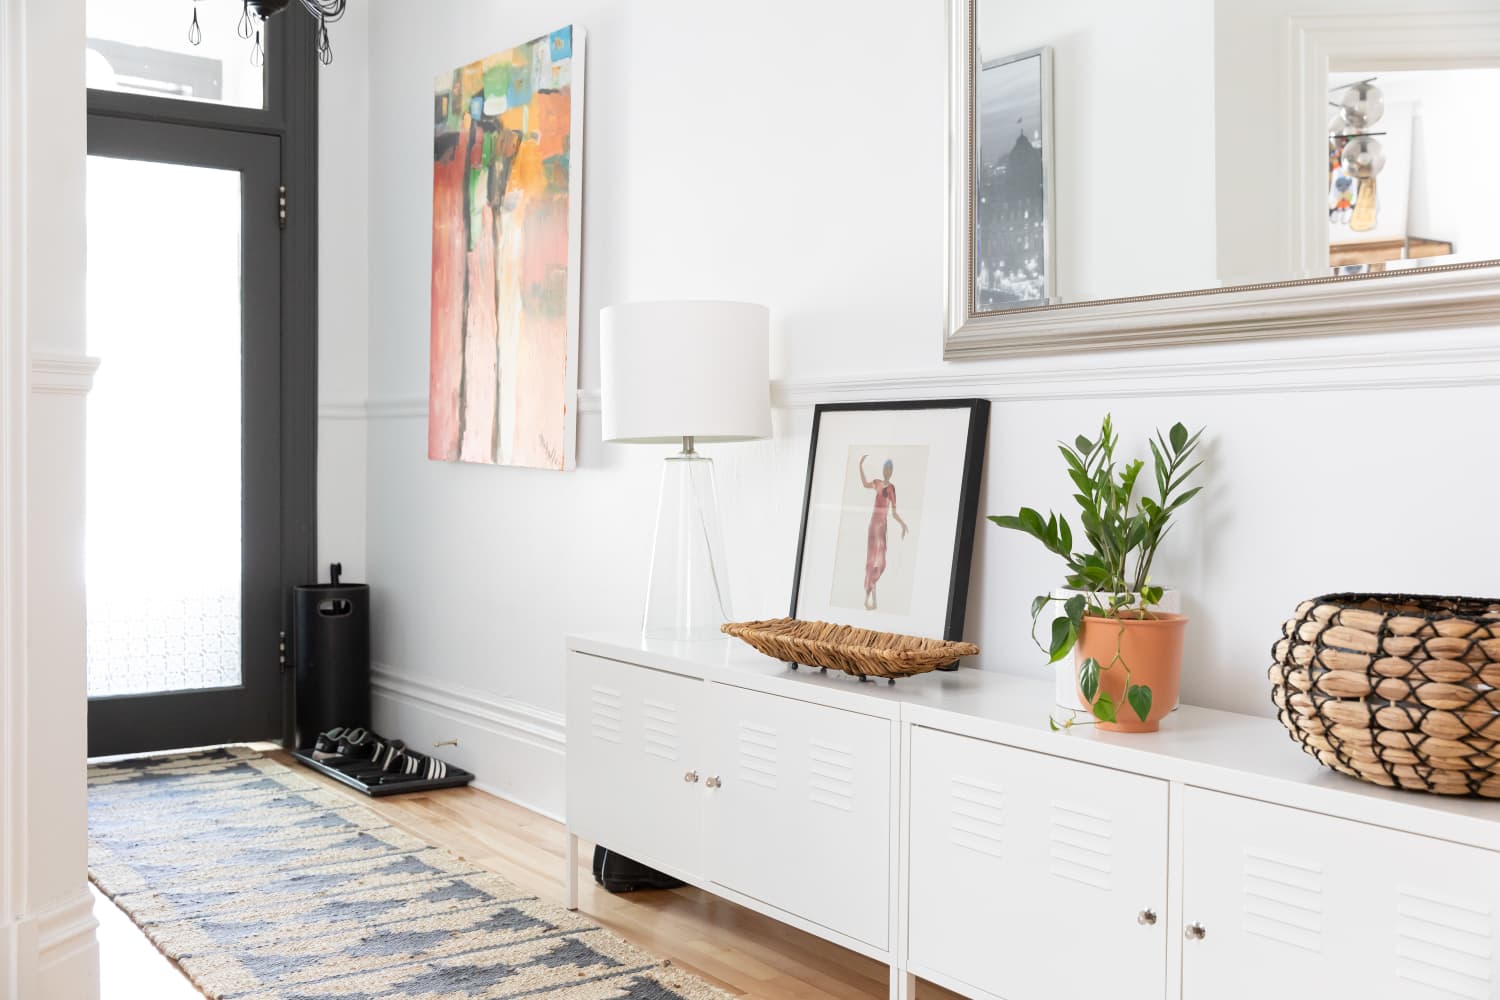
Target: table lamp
[688,373]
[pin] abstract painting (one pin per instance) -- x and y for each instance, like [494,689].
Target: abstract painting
[889,514]
[506,212]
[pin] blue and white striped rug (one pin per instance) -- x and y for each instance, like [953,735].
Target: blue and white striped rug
[263,885]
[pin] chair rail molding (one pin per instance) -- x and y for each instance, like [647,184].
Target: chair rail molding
[1461,359]
[65,374]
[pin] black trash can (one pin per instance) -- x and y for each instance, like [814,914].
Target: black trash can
[331,656]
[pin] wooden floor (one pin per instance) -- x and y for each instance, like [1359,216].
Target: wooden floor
[740,951]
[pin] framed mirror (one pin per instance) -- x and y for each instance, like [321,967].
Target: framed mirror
[1182,171]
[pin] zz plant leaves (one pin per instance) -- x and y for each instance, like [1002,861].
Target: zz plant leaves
[1121,531]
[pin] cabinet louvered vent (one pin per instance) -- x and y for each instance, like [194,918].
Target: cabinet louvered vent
[831,775]
[977,820]
[606,716]
[1283,899]
[659,725]
[757,754]
[1081,846]
[1445,944]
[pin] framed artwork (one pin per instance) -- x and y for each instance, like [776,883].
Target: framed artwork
[889,513]
[506,212]
[1012,197]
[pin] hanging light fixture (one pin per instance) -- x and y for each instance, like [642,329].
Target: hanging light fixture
[257,12]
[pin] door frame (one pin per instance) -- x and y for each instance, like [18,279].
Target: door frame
[291,115]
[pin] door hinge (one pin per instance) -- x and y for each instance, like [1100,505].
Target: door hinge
[282,646]
[281,205]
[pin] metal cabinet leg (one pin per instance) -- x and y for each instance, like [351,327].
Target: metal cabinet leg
[572,876]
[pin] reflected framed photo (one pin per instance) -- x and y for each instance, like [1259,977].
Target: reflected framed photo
[889,514]
[1013,244]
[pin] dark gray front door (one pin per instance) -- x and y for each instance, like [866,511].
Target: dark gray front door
[184,497]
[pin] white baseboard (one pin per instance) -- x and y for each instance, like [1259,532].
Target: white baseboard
[515,750]
[68,949]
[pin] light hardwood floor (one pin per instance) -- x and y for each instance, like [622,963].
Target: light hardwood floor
[740,951]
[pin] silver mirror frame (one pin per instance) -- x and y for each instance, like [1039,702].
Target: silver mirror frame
[1452,295]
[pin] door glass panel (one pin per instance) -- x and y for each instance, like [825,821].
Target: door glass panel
[144,48]
[163,467]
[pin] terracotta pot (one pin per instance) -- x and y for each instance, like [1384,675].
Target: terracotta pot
[1066,683]
[1151,648]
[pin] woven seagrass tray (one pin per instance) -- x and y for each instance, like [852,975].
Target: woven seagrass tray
[1401,691]
[859,651]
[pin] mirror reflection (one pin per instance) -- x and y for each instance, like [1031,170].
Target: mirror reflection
[1173,145]
[1406,158]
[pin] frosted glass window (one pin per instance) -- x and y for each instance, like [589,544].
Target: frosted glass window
[163,466]
[143,48]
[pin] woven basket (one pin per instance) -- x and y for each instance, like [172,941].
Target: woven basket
[1394,690]
[859,651]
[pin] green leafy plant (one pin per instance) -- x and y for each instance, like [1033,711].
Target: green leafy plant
[1111,574]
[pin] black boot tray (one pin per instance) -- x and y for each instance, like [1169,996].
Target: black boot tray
[455,778]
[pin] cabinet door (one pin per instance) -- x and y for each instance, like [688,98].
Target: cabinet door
[1299,904]
[634,734]
[802,819]
[1030,874]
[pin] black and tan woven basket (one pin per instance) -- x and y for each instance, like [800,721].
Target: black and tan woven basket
[1395,690]
[859,651]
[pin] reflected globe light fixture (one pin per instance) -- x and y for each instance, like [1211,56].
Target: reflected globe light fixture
[257,12]
[686,373]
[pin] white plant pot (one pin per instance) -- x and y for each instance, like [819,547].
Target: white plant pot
[1066,692]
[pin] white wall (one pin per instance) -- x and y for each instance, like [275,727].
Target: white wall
[793,154]
[47,942]
[343,293]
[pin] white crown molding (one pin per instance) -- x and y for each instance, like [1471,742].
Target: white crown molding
[514,719]
[1474,361]
[65,374]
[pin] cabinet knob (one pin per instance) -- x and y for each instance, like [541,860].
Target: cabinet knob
[1195,932]
[691,777]
[1146,918]
[713,782]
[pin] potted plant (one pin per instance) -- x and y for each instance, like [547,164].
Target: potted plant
[1127,656]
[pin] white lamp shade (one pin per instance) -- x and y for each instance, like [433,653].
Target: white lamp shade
[670,370]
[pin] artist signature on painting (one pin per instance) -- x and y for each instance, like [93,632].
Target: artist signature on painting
[553,455]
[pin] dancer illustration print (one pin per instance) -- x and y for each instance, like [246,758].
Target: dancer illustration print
[885,508]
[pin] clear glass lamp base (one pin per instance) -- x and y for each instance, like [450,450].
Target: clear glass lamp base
[687,593]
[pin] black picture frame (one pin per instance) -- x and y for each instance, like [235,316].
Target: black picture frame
[968,507]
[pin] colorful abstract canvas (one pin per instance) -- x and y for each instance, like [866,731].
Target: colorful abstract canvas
[506,207]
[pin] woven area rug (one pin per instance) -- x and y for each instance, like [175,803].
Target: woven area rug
[264,885]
